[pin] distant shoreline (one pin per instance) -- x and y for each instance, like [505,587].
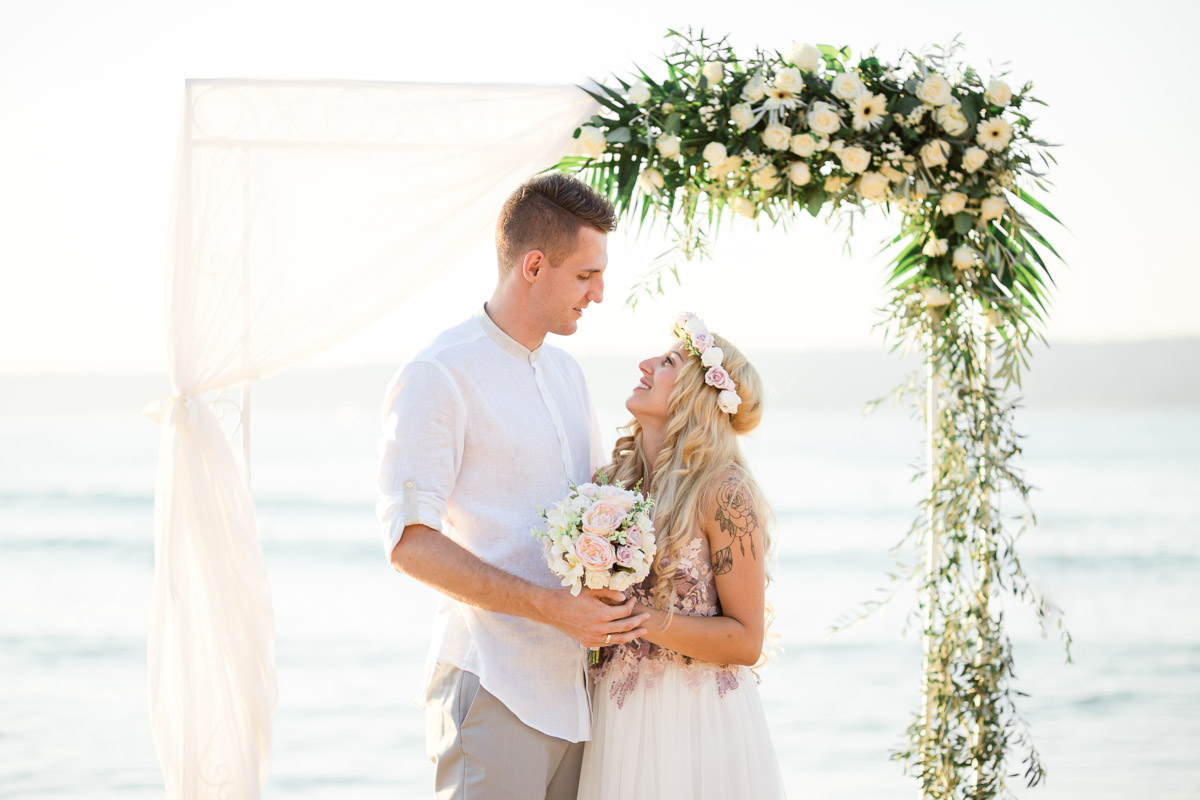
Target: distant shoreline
[1150,374]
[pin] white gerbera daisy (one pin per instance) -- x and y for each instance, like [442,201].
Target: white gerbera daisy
[777,99]
[869,111]
[994,134]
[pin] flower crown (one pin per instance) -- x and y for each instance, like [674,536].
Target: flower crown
[697,340]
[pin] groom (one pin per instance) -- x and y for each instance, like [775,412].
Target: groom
[481,429]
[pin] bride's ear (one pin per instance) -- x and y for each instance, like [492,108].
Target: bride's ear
[533,263]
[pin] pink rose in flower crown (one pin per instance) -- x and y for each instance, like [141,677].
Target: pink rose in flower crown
[595,553]
[718,377]
[627,556]
[603,517]
[702,341]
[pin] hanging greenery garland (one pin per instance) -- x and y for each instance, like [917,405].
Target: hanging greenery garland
[777,134]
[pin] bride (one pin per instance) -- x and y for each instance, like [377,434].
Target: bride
[677,714]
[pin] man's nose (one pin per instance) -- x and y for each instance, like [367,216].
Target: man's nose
[596,290]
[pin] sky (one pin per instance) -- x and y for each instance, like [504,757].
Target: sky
[90,98]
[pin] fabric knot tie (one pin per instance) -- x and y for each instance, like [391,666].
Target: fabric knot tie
[177,409]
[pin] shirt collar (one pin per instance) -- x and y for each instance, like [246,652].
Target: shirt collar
[506,342]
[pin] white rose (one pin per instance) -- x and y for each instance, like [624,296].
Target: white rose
[712,356]
[934,297]
[837,147]
[974,158]
[998,93]
[935,247]
[777,137]
[891,173]
[728,401]
[847,86]
[788,79]
[766,178]
[964,257]
[992,208]
[953,202]
[951,118]
[651,181]
[714,153]
[668,146]
[835,183]
[805,56]
[726,167]
[873,186]
[755,89]
[744,207]
[822,144]
[935,153]
[714,72]
[742,116]
[855,159]
[823,118]
[591,141]
[934,90]
[638,93]
[803,145]
[595,579]
[798,173]
[622,580]
[994,134]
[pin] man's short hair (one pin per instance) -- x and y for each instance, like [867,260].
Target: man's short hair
[545,213]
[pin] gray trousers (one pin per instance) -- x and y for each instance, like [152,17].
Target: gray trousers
[483,752]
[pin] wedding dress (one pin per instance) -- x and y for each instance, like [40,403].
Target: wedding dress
[667,726]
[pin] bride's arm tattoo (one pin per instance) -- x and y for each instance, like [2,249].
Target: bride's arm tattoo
[736,516]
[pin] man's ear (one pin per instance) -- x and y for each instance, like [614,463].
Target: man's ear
[533,263]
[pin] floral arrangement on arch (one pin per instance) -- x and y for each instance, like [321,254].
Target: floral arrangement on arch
[809,128]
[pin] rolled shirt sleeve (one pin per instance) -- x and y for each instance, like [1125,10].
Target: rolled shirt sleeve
[424,428]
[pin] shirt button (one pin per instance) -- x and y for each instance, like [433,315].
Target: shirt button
[410,483]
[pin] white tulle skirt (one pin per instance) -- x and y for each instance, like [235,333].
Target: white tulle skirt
[680,739]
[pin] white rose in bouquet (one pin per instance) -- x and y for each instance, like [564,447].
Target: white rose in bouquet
[935,247]
[847,86]
[964,257]
[855,159]
[992,208]
[953,202]
[934,297]
[974,158]
[638,93]
[804,145]
[668,146]
[714,72]
[651,181]
[746,208]
[591,141]
[798,173]
[998,93]
[765,178]
[951,118]
[743,116]
[935,153]
[823,118]
[755,89]
[934,90]
[805,56]
[789,79]
[873,186]
[715,154]
[777,137]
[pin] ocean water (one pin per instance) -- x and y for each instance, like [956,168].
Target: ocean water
[1117,547]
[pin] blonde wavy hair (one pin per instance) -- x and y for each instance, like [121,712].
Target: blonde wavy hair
[700,444]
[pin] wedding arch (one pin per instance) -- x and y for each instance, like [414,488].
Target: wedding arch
[305,210]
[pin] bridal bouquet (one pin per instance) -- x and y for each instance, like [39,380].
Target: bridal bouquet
[599,536]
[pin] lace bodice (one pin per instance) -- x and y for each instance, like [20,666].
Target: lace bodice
[696,596]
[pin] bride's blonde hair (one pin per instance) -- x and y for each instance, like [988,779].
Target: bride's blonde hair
[700,444]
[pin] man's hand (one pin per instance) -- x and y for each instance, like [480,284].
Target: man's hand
[596,618]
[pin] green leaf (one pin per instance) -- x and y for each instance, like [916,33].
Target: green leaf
[619,135]
[963,223]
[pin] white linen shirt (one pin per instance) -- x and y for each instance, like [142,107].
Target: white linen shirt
[479,434]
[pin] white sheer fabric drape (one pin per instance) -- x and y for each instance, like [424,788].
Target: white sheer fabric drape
[304,210]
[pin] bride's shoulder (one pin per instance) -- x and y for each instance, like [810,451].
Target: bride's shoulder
[731,485]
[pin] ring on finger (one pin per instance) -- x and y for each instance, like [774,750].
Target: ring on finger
[608,639]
